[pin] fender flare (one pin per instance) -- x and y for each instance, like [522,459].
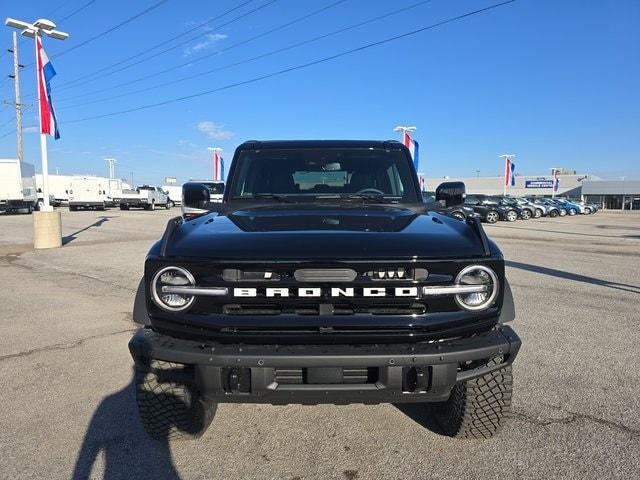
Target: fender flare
[508,312]
[140,314]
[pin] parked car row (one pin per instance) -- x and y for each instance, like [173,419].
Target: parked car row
[494,208]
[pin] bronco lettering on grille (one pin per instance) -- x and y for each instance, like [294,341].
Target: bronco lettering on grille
[314,292]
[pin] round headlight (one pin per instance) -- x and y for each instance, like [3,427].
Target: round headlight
[483,277]
[161,284]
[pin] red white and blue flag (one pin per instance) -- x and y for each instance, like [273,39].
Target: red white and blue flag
[48,122]
[413,147]
[218,166]
[509,172]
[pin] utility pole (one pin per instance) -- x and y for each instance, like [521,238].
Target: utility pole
[18,105]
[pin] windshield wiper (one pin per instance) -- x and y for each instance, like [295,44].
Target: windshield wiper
[262,196]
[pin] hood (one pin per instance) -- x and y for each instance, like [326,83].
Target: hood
[324,232]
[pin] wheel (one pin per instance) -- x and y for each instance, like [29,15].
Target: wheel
[492,216]
[553,213]
[169,409]
[39,205]
[526,214]
[458,215]
[563,212]
[476,408]
[538,213]
[169,204]
[511,216]
[572,211]
[151,207]
[587,210]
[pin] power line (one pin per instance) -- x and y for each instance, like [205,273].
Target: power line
[234,64]
[297,67]
[77,10]
[109,30]
[115,27]
[218,52]
[97,73]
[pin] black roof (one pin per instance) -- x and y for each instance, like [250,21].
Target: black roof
[286,144]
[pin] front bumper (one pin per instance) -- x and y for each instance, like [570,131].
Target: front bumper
[338,374]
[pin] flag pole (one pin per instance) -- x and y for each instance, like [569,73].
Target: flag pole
[46,207]
[506,157]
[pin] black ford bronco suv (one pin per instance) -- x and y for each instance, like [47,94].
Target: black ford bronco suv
[323,277]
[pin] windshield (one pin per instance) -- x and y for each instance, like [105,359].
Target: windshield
[324,173]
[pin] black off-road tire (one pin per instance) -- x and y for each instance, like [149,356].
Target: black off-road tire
[476,408]
[168,408]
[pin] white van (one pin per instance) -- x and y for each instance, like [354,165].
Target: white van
[174,192]
[88,192]
[17,186]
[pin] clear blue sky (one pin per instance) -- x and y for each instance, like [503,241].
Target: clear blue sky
[556,82]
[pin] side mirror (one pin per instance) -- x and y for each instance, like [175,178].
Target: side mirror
[451,194]
[195,195]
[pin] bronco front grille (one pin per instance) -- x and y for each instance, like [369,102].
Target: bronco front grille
[324,309]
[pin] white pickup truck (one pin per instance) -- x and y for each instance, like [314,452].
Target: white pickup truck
[145,196]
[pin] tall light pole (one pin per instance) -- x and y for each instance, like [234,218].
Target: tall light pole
[214,150]
[47,224]
[554,171]
[506,156]
[112,167]
[35,30]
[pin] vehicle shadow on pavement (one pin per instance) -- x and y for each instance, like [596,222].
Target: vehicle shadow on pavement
[422,414]
[98,223]
[572,276]
[115,438]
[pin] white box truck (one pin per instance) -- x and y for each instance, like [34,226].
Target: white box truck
[88,192]
[17,186]
[59,186]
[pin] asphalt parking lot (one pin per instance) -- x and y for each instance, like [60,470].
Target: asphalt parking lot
[68,409]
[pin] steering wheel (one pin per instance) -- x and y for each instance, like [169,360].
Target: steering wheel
[369,190]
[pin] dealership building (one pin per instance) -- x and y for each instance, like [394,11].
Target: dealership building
[613,195]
